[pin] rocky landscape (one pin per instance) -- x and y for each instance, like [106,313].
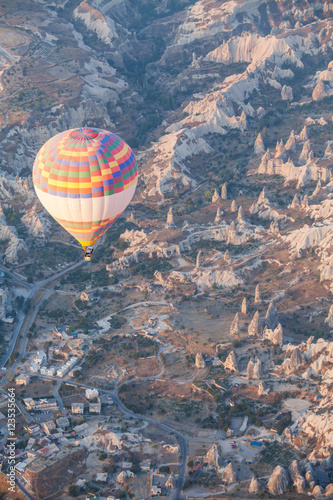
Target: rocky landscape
[221,270]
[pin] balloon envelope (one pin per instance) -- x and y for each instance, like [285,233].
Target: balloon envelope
[85,178]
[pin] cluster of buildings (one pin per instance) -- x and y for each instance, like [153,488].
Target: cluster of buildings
[40,361]
[94,403]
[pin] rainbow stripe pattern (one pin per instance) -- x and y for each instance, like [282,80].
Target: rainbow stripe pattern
[84,163]
[85,178]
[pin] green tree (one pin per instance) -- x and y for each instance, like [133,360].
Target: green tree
[74,490]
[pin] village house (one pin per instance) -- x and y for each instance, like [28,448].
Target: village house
[91,394]
[102,477]
[49,426]
[62,422]
[78,408]
[95,407]
[22,379]
[40,358]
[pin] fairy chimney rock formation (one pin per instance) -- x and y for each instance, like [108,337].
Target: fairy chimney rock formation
[170,220]
[305,201]
[328,150]
[291,142]
[287,93]
[241,215]
[303,136]
[262,197]
[229,474]
[218,216]
[274,227]
[261,389]
[319,92]
[224,192]
[329,318]
[254,369]
[295,470]
[305,153]
[216,197]
[234,327]
[278,481]
[280,151]
[259,146]
[271,318]
[274,335]
[226,256]
[257,294]
[231,233]
[213,457]
[244,306]
[295,203]
[199,257]
[231,363]
[254,485]
[254,328]
[233,206]
[317,189]
[199,361]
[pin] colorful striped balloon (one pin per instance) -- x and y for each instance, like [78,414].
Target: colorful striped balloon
[85,178]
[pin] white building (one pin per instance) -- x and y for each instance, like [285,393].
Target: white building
[47,371]
[22,380]
[41,358]
[102,476]
[92,393]
[62,371]
[78,408]
[34,367]
[49,426]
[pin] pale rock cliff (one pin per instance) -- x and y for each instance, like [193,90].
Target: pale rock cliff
[103,26]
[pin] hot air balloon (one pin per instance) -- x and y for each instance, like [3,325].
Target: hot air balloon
[85,178]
